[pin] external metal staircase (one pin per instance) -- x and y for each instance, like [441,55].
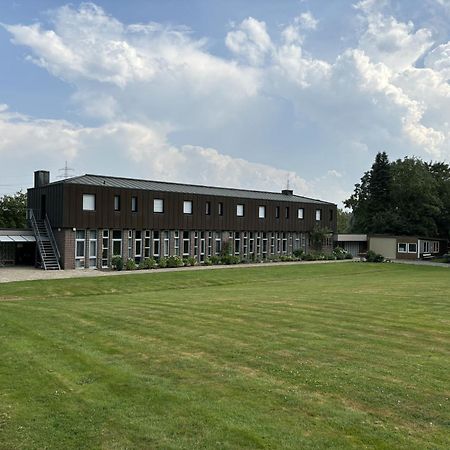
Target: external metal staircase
[45,240]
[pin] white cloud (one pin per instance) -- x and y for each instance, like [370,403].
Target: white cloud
[396,44]
[250,41]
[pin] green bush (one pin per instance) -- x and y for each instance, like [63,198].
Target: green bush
[147,263]
[208,262]
[215,260]
[374,257]
[309,257]
[174,261]
[298,253]
[348,256]
[130,264]
[190,261]
[330,257]
[162,262]
[229,259]
[446,258]
[117,262]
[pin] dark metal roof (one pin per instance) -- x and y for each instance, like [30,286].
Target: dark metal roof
[162,186]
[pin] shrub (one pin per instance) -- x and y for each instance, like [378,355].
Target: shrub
[309,257]
[162,263]
[298,253]
[215,260]
[208,262]
[130,264]
[117,262]
[230,259]
[147,263]
[330,257]
[446,258]
[174,261]
[374,257]
[190,261]
[348,256]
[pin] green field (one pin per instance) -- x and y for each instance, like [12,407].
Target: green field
[347,355]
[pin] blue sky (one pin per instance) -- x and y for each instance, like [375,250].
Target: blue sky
[230,93]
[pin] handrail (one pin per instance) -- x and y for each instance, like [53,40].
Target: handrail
[37,233]
[52,237]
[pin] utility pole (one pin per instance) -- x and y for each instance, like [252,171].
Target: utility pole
[65,171]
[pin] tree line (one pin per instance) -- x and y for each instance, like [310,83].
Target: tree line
[404,197]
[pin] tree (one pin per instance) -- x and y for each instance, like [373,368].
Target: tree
[407,196]
[13,210]
[344,219]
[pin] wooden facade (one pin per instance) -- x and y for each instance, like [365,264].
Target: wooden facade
[63,205]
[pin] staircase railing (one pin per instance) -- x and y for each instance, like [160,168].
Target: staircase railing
[37,234]
[51,236]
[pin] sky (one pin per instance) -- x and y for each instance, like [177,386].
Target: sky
[246,94]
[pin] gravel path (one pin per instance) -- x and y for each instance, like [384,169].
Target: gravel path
[9,274]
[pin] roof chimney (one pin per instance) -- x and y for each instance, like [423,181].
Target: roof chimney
[41,178]
[287,192]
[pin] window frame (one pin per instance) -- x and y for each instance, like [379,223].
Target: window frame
[160,203]
[85,202]
[261,212]
[187,211]
[301,213]
[240,210]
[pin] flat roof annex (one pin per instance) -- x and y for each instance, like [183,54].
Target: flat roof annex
[163,186]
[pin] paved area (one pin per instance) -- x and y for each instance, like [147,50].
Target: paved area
[9,274]
[422,263]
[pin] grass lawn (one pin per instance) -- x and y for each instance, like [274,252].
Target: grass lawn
[347,355]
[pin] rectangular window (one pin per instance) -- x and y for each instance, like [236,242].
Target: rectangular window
[117,243]
[331,215]
[88,202]
[301,213]
[138,246]
[318,214]
[105,248]
[166,243]
[186,243]
[209,243]
[218,246]
[80,241]
[426,246]
[156,243]
[237,243]
[130,244]
[262,212]
[147,244]
[158,205]
[176,242]
[277,212]
[435,247]
[220,208]
[412,248]
[240,210]
[286,212]
[117,203]
[208,208]
[187,207]
[134,204]
[93,249]
[402,248]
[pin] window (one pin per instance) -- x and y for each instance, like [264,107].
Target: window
[176,240]
[208,208]
[88,202]
[156,243]
[301,213]
[264,244]
[158,205]
[218,244]
[277,212]
[117,203]
[166,243]
[412,248]
[93,249]
[134,204]
[262,212]
[240,210]
[117,243]
[186,243]
[426,246]
[318,214]
[105,248]
[130,244]
[209,243]
[435,247]
[286,212]
[187,207]
[220,208]
[80,237]
[138,246]
[402,248]
[147,244]
[237,243]
[331,215]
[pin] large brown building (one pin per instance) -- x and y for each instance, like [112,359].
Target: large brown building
[86,220]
